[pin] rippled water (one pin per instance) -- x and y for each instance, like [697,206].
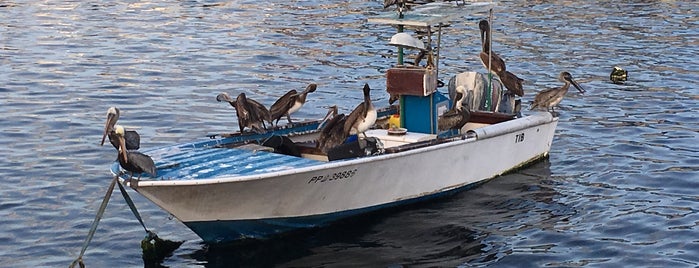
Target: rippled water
[620,187]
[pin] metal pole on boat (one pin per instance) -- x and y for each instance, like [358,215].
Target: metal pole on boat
[489,88]
[439,46]
[400,48]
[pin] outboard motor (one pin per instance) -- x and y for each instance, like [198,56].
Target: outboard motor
[475,85]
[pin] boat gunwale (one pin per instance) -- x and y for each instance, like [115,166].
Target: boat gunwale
[454,141]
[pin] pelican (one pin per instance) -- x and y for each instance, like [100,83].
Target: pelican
[250,113]
[457,116]
[553,96]
[512,83]
[497,64]
[289,103]
[134,162]
[333,132]
[362,117]
[133,140]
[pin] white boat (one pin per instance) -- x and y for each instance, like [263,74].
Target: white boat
[233,187]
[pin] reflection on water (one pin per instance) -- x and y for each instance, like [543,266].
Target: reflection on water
[619,188]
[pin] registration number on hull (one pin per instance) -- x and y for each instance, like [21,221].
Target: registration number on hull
[334,176]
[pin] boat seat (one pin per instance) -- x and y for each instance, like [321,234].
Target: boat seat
[389,140]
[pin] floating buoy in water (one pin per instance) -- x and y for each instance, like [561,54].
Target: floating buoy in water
[618,75]
[155,249]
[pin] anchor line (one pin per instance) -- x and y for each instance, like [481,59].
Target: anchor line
[133,207]
[93,228]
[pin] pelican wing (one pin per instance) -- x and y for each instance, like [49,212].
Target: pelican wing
[355,117]
[512,83]
[142,162]
[333,134]
[261,110]
[133,140]
[282,105]
[545,97]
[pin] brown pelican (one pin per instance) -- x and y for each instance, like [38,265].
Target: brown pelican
[457,116]
[133,140]
[497,64]
[134,162]
[553,96]
[333,132]
[250,113]
[512,83]
[289,103]
[363,116]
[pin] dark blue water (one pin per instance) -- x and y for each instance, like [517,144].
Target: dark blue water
[621,186]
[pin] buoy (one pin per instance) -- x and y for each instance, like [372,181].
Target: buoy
[618,75]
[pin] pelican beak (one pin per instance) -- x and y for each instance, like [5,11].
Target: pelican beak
[332,112]
[576,85]
[108,127]
[122,148]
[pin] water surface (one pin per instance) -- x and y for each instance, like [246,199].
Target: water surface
[619,188]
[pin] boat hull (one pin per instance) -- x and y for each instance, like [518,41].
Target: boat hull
[232,207]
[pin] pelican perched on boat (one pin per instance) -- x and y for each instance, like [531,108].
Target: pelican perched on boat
[457,116]
[133,162]
[553,96]
[495,64]
[492,62]
[133,140]
[363,116]
[512,83]
[250,113]
[291,102]
[333,131]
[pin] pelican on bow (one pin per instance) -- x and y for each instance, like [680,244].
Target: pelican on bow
[551,97]
[131,137]
[131,161]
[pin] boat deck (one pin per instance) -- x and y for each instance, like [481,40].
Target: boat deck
[206,163]
[234,156]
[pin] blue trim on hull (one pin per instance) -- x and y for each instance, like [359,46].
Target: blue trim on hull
[213,232]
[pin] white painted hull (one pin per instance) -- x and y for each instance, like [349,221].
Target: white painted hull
[327,190]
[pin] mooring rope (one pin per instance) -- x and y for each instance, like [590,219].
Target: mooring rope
[90,234]
[132,207]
